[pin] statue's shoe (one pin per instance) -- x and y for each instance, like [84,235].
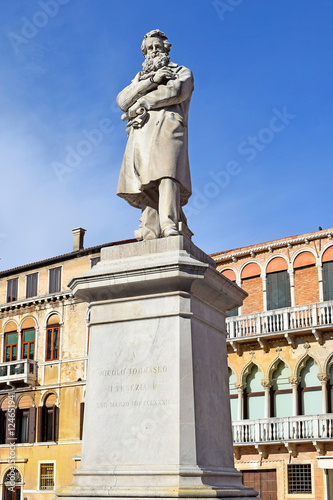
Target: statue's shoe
[170,231]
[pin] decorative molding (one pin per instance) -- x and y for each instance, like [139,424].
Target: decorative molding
[320,447]
[278,244]
[292,449]
[35,301]
[323,377]
[262,450]
[263,344]
[290,339]
[266,383]
[294,380]
[318,336]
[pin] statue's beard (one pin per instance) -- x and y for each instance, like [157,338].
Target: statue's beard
[151,65]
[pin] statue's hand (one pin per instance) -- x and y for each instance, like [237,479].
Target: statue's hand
[162,74]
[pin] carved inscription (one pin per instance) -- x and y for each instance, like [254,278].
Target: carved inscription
[133,371]
[140,387]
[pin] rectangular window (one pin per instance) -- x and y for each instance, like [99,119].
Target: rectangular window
[52,341]
[46,479]
[31,288]
[11,347]
[24,426]
[328,280]
[278,290]
[94,261]
[12,290]
[55,280]
[299,478]
[28,344]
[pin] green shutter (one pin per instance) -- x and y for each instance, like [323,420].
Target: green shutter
[278,290]
[328,280]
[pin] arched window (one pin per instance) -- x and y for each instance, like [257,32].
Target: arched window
[328,273]
[277,284]
[52,338]
[233,395]
[254,395]
[4,436]
[28,339]
[12,476]
[25,420]
[48,420]
[310,393]
[281,392]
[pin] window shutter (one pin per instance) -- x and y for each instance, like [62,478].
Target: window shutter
[40,424]
[81,418]
[18,425]
[8,436]
[328,280]
[32,424]
[278,290]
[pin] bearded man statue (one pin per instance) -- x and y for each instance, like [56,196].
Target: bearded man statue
[155,173]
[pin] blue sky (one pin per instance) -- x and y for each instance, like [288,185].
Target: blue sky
[260,127]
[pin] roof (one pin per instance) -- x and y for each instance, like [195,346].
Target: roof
[65,256]
[274,243]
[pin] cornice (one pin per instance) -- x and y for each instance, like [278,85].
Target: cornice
[269,247]
[35,301]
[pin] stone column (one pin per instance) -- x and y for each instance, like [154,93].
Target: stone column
[294,381]
[323,377]
[292,287]
[240,389]
[19,344]
[157,413]
[267,386]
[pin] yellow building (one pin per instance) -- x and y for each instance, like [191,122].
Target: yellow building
[44,346]
[280,356]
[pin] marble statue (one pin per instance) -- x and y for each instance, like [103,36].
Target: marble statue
[155,174]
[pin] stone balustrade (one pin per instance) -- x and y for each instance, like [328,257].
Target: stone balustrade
[281,320]
[277,430]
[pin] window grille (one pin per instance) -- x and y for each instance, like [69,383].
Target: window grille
[299,478]
[46,477]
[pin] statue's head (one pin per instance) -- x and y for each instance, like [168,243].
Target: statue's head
[149,37]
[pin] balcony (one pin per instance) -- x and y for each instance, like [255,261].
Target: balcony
[18,373]
[315,429]
[312,318]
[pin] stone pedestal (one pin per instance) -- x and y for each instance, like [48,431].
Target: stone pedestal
[157,416]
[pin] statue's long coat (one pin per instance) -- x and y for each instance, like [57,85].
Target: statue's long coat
[160,148]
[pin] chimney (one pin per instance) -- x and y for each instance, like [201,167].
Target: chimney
[78,237]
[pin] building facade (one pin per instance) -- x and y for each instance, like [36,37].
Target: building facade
[280,355]
[44,335]
[280,352]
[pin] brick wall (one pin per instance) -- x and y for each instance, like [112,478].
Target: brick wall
[254,302]
[306,285]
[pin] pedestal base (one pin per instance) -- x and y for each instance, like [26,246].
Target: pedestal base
[157,418]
